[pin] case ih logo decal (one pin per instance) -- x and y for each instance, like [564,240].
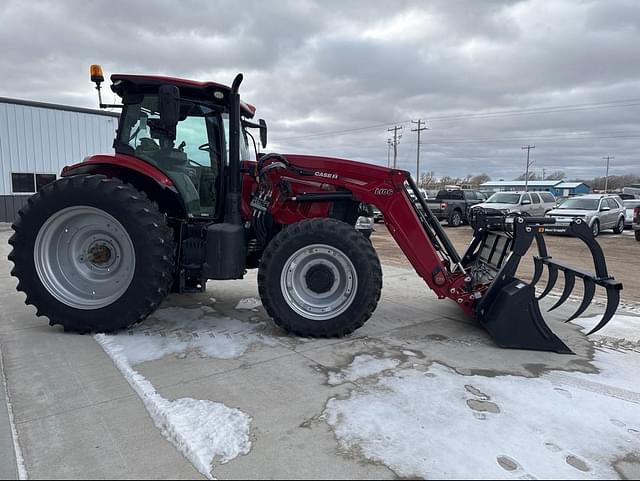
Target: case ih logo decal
[326,175]
[381,191]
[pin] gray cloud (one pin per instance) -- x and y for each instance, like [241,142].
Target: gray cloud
[323,66]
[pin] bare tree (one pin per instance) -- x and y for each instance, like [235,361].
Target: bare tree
[556,175]
[532,176]
[478,180]
[428,180]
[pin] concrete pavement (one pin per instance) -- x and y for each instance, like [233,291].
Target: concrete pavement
[77,416]
[8,466]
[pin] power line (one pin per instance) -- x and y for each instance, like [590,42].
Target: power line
[529,164]
[418,129]
[395,142]
[483,115]
[608,158]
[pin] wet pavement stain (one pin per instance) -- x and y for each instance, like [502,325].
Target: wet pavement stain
[507,463]
[483,406]
[578,463]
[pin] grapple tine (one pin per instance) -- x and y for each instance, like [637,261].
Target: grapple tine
[589,292]
[613,299]
[569,284]
[553,278]
[539,269]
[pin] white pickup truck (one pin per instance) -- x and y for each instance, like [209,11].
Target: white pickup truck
[536,204]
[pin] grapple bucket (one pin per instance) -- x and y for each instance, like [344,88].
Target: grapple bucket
[509,308]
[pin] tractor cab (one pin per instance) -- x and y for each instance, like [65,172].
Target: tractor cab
[182,128]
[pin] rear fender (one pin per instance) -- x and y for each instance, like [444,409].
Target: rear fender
[142,175]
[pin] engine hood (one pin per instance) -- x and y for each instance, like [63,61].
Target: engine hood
[498,206]
[571,213]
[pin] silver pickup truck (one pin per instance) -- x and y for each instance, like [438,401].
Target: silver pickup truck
[536,204]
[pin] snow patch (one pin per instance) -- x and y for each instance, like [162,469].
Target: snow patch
[176,330]
[248,304]
[440,424]
[626,328]
[361,367]
[203,431]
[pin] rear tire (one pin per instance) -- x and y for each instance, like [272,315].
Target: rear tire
[455,219]
[637,234]
[78,238]
[619,229]
[320,278]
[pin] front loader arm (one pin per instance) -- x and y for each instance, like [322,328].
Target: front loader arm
[299,185]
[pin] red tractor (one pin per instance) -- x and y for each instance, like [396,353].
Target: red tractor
[179,203]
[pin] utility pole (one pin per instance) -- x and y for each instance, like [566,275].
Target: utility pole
[418,129]
[608,158]
[395,142]
[544,173]
[389,153]
[529,164]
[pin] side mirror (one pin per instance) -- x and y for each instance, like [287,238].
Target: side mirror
[169,107]
[263,133]
[526,202]
[605,208]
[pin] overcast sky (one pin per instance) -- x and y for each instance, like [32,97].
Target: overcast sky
[488,76]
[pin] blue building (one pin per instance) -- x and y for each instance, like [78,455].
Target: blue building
[557,187]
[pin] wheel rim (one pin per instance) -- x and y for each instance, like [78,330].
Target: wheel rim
[456,219]
[319,282]
[84,257]
[595,229]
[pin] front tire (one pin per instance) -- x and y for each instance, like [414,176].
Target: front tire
[455,219]
[595,228]
[92,254]
[320,278]
[619,229]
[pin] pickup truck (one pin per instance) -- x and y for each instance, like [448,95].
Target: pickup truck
[453,205]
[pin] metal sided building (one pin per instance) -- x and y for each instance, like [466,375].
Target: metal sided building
[38,139]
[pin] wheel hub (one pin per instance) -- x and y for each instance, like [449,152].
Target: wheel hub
[84,257]
[100,254]
[319,282]
[320,279]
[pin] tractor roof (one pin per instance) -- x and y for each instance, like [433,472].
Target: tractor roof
[189,88]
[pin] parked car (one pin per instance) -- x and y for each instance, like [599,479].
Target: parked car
[364,224]
[636,223]
[628,196]
[377,215]
[630,206]
[600,211]
[535,204]
[453,205]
